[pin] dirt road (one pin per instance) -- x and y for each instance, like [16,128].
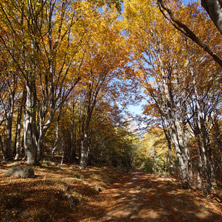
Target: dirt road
[139,197]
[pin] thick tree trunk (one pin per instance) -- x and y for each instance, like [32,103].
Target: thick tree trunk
[183,161]
[214,9]
[170,155]
[30,140]
[176,133]
[201,135]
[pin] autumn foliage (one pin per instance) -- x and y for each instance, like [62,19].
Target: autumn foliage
[69,69]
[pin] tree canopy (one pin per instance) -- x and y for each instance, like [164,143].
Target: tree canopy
[70,69]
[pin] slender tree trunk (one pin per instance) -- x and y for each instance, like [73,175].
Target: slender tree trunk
[8,121]
[8,151]
[40,145]
[84,152]
[18,129]
[56,142]
[55,145]
[199,173]
[72,136]
[170,157]
[2,148]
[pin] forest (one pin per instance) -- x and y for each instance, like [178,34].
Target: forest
[69,70]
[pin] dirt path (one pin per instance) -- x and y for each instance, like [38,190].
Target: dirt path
[139,197]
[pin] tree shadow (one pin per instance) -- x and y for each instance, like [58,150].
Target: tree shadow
[145,199]
[137,197]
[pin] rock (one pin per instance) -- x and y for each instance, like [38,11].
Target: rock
[53,164]
[144,189]
[4,162]
[97,188]
[48,163]
[73,202]
[70,199]
[20,171]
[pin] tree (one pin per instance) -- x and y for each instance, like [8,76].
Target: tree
[214,9]
[169,15]
[48,39]
[9,83]
[163,62]
[105,54]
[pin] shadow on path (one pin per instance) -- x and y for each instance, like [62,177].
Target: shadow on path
[140,197]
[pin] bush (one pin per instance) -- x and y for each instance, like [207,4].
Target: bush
[147,166]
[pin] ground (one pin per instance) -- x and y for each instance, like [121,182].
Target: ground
[134,196]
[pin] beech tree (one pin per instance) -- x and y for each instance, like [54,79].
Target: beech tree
[104,56]
[213,8]
[48,37]
[163,64]
[9,92]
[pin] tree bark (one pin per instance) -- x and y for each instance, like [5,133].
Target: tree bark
[174,127]
[201,133]
[214,9]
[30,140]
[18,128]
[84,152]
[1,147]
[8,121]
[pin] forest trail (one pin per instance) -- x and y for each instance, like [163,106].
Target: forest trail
[124,197]
[140,197]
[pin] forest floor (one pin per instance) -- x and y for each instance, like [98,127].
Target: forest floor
[136,197]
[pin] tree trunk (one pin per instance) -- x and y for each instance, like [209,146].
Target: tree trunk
[84,151]
[72,136]
[8,151]
[214,9]
[18,129]
[176,133]
[201,135]
[55,145]
[9,119]
[1,147]
[30,140]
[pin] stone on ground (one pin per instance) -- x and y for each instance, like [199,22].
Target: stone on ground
[20,171]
